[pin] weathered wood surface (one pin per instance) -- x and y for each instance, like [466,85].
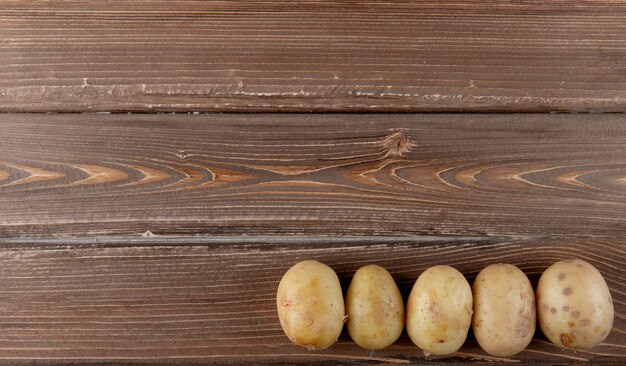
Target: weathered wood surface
[162,238]
[156,55]
[63,302]
[472,175]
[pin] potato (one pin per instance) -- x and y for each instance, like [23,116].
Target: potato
[375,308]
[504,310]
[439,310]
[574,304]
[310,305]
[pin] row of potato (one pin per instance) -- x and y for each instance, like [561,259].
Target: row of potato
[572,304]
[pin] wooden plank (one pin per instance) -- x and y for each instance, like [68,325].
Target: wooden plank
[67,303]
[469,175]
[157,55]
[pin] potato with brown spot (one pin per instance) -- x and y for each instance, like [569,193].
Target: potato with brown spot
[439,310]
[310,305]
[586,307]
[375,308]
[504,310]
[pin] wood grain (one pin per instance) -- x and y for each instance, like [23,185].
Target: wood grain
[468,175]
[64,302]
[322,55]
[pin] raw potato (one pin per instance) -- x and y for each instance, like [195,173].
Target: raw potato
[439,310]
[574,304]
[375,308]
[504,310]
[310,305]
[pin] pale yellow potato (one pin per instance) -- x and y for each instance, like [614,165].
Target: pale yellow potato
[310,305]
[574,305]
[439,310]
[375,308]
[504,310]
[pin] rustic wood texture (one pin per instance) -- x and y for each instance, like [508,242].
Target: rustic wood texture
[160,239]
[156,55]
[471,175]
[215,303]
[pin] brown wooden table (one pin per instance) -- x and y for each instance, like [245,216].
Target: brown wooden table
[131,235]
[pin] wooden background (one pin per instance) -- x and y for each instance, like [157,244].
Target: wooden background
[313,55]
[131,237]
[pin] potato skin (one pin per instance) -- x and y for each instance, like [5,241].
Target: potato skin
[310,305]
[574,305]
[504,310]
[439,310]
[375,308]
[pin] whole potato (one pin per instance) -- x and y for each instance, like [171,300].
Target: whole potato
[504,310]
[375,308]
[574,304]
[310,305]
[439,310]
